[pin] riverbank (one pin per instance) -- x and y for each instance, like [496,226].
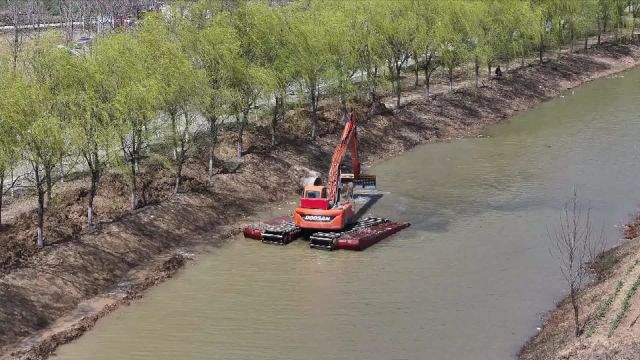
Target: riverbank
[610,309]
[268,174]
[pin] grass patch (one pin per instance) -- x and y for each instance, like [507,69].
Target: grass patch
[605,305]
[625,306]
[604,308]
[606,263]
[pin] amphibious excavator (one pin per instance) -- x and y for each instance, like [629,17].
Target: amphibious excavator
[326,212]
[327,207]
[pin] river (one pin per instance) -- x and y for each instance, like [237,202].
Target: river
[470,279]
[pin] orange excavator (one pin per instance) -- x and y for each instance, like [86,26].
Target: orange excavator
[326,214]
[324,208]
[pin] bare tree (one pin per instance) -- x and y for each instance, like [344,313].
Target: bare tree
[35,18]
[15,14]
[576,247]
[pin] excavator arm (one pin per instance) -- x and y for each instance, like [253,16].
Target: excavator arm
[348,141]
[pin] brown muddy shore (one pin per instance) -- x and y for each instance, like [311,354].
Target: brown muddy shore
[50,297]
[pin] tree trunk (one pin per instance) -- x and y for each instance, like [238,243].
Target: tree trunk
[183,138]
[92,195]
[398,93]
[416,69]
[13,181]
[61,171]
[397,76]
[177,154]
[477,69]
[571,41]
[274,119]
[2,175]
[541,51]
[41,193]
[373,94]
[451,79]
[178,177]
[213,139]
[427,84]
[241,124]
[134,188]
[586,42]
[576,313]
[489,71]
[40,230]
[95,180]
[47,176]
[314,123]
[314,112]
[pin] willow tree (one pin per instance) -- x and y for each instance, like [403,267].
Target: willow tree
[603,16]
[519,29]
[368,46]
[343,44]
[130,94]
[266,43]
[30,105]
[11,129]
[451,38]
[475,40]
[77,87]
[248,84]
[396,26]
[46,65]
[618,11]
[182,87]
[586,20]
[218,50]
[310,56]
[545,27]
[424,44]
[634,12]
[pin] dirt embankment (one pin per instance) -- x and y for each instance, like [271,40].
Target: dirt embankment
[43,294]
[610,310]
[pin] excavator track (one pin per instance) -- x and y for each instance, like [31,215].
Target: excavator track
[281,234]
[329,240]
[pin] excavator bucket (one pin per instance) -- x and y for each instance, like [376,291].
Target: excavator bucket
[364,182]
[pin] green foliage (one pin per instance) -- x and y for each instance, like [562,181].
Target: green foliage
[129,90]
[452,36]
[9,125]
[217,51]
[41,107]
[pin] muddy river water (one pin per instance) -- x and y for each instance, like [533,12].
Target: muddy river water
[469,279]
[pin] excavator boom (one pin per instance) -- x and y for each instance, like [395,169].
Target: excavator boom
[348,141]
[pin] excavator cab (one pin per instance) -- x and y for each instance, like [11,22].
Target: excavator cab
[318,212]
[315,197]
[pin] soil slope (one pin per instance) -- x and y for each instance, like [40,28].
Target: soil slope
[610,312]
